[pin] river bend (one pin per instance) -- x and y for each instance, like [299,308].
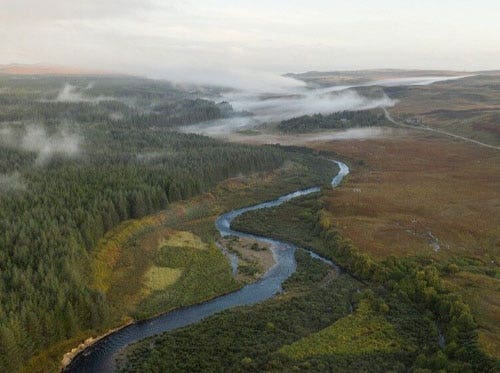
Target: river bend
[100,357]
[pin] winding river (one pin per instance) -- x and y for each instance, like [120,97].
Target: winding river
[100,357]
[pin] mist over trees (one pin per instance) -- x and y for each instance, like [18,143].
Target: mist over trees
[54,213]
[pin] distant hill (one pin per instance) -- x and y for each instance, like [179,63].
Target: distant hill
[45,69]
[326,78]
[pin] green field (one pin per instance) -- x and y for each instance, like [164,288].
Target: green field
[360,333]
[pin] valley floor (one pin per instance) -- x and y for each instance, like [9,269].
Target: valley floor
[152,265]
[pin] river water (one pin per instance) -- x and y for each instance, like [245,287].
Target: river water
[100,357]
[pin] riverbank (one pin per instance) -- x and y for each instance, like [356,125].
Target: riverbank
[69,356]
[197,216]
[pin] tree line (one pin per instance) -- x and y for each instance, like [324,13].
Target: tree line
[339,120]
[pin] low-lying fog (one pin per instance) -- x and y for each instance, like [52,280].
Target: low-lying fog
[70,93]
[36,139]
[286,98]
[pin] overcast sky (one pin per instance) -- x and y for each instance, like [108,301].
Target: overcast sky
[162,38]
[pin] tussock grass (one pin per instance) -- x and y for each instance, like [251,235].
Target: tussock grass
[389,204]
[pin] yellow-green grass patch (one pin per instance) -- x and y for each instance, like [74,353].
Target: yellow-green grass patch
[183,239]
[359,333]
[159,278]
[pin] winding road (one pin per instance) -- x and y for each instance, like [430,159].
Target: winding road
[100,356]
[426,128]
